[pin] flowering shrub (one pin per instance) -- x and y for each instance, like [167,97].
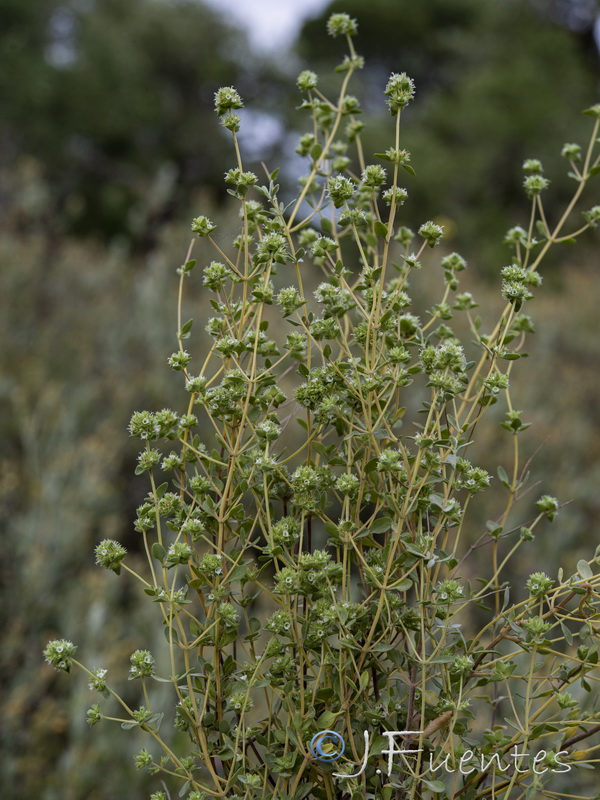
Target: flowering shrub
[378,665]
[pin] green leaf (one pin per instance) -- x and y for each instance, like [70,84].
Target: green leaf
[158,551]
[315,151]
[227,753]
[584,570]
[381,525]
[304,790]
[566,633]
[493,527]
[321,449]
[382,156]
[409,169]
[254,624]
[170,633]
[343,67]
[448,659]
[379,744]
[503,477]
[435,786]
[325,694]
[237,572]
[382,647]
[326,720]
[160,490]
[184,333]
[381,229]
[227,637]
[326,225]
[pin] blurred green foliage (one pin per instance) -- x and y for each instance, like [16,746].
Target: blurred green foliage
[107,129]
[497,82]
[112,99]
[78,357]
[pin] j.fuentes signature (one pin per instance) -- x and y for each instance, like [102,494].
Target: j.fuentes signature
[470,761]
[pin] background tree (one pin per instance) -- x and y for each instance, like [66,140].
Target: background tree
[506,74]
[112,99]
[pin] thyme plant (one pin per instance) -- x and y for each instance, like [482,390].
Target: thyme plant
[317,475]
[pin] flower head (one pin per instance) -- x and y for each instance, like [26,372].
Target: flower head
[341,25]
[227,99]
[110,554]
[142,664]
[59,654]
[400,90]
